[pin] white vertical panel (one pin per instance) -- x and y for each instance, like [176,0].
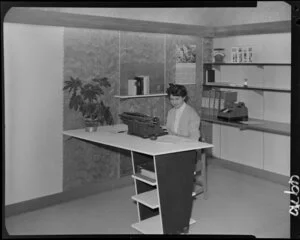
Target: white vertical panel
[33,64]
[232,74]
[244,147]
[254,101]
[216,131]
[277,77]
[277,107]
[277,153]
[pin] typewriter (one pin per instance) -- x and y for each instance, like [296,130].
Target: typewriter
[142,125]
[234,112]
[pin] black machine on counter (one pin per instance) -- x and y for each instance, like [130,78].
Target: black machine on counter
[142,125]
[234,111]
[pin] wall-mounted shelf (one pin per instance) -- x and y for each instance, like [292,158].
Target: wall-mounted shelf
[241,87]
[141,96]
[248,64]
[259,125]
[210,82]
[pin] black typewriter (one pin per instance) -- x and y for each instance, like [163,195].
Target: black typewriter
[142,125]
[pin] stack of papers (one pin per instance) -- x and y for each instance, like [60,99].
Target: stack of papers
[251,122]
[173,139]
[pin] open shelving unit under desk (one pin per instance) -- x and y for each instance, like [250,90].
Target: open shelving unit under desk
[166,197]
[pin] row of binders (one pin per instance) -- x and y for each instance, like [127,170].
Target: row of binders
[140,85]
[214,99]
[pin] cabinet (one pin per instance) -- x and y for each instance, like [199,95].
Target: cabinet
[243,147]
[164,204]
[277,153]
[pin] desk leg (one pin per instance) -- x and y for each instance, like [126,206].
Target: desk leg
[175,179]
[204,173]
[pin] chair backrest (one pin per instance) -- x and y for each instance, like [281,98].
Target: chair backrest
[202,137]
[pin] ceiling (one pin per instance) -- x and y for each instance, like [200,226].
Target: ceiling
[264,12]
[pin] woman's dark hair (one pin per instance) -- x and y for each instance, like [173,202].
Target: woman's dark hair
[177,90]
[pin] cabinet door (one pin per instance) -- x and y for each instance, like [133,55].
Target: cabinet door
[277,153]
[244,147]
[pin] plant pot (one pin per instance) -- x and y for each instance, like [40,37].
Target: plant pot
[91,125]
[219,54]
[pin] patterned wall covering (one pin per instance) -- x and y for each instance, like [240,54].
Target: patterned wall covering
[141,54]
[207,49]
[89,53]
[206,127]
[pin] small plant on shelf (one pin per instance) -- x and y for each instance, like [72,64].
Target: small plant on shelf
[86,97]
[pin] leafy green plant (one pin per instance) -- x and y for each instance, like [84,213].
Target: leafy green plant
[86,98]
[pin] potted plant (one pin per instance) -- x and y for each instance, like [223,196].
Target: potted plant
[86,98]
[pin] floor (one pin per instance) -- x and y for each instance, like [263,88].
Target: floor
[236,204]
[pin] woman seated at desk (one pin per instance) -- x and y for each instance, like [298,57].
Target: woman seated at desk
[182,119]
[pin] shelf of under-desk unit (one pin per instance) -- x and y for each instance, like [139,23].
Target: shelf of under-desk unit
[152,225]
[150,198]
[145,179]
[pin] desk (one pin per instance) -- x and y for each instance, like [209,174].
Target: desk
[164,203]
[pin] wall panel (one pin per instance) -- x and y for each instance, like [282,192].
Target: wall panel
[89,53]
[33,71]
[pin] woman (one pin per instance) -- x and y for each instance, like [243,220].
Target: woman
[182,119]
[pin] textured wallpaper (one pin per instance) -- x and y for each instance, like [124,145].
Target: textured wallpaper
[89,53]
[141,54]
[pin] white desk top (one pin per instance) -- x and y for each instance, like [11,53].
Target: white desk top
[109,135]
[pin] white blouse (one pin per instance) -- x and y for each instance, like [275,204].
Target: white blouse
[177,116]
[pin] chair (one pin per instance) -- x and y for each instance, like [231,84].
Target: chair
[200,180]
